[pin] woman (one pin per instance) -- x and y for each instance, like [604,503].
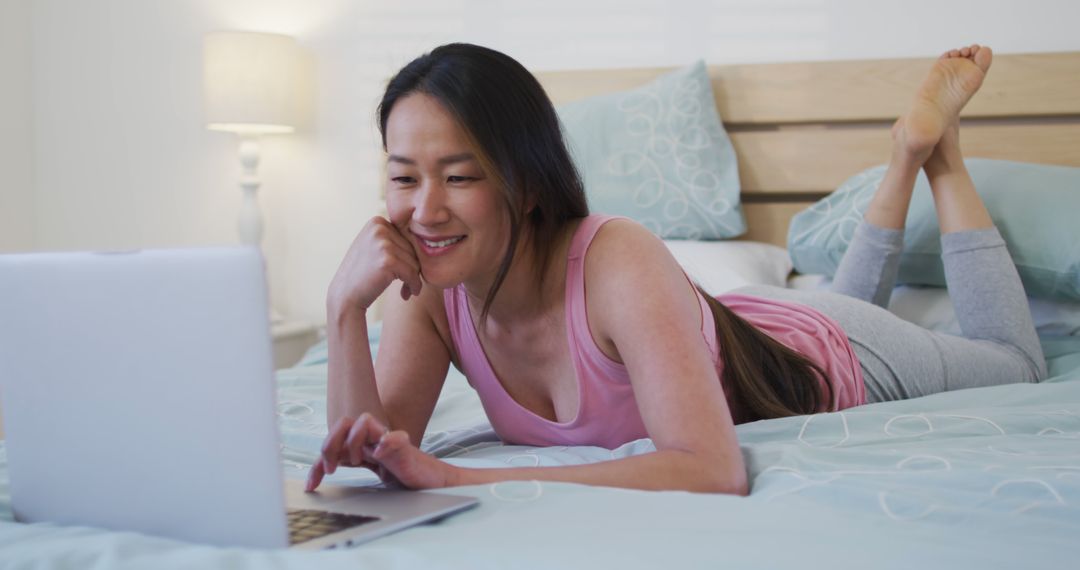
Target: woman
[489,233]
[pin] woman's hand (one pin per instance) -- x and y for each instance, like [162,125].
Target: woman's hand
[379,255]
[364,442]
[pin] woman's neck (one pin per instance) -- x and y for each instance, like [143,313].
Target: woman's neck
[523,295]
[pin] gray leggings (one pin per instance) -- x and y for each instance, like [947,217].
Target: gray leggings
[902,360]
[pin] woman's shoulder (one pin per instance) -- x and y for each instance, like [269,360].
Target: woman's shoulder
[625,261]
[634,284]
[618,240]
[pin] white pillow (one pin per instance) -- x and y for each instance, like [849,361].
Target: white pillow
[931,308]
[720,266]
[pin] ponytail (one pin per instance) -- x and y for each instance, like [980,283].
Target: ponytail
[768,379]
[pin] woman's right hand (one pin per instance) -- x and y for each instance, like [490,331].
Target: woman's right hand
[350,443]
[379,255]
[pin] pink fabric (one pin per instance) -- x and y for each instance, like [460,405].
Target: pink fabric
[607,411]
[807,332]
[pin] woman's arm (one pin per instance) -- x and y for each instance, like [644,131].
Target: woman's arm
[396,458]
[643,312]
[350,386]
[661,470]
[399,390]
[413,359]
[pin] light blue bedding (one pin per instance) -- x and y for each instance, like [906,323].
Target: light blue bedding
[985,478]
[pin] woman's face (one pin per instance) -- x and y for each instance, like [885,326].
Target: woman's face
[439,197]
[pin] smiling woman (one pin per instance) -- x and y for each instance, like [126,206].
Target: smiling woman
[463,100]
[489,232]
[440,198]
[484,202]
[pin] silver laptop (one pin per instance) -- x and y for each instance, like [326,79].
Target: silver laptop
[139,395]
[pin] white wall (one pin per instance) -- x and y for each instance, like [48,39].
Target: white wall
[16,129]
[122,159]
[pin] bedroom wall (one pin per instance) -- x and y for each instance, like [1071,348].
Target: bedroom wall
[121,158]
[16,129]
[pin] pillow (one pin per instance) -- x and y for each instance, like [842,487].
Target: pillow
[658,154]
[720,266]
[931,308]
[1034,206]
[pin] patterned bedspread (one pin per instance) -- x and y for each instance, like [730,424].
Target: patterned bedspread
[969,479]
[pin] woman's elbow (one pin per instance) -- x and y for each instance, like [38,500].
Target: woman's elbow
[730,473]
[713,472]
[742,488]
[732,484]
[722,477]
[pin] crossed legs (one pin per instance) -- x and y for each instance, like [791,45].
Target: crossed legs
[990,303]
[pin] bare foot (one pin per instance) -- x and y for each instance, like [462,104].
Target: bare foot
[955,77]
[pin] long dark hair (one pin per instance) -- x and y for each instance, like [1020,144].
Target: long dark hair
[769,379]
[512,124]
[515,132]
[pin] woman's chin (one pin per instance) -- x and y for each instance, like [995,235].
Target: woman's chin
[434,279]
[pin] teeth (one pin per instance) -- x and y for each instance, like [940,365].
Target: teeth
[444,242]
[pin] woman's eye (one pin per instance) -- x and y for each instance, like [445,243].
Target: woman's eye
[458,179]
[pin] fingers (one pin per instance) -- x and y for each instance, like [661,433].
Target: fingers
[400,257]
[351,442]
[390,453]
[354,442]
[403,266]
[364,435]
[402,463]
[390,445]
[331,449]
[315,476]
[393,235]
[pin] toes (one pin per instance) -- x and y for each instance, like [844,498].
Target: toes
[979,54]
[983,58]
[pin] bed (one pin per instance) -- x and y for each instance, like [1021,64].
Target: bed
[983,478]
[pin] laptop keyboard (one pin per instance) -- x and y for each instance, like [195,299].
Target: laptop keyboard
[306,524]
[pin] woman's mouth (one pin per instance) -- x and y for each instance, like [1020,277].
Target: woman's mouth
[438,245]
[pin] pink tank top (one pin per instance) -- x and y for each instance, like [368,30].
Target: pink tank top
[607,411]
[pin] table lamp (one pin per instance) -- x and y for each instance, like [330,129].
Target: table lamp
[251,87]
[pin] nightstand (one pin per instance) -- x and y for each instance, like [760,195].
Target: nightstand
[291,340]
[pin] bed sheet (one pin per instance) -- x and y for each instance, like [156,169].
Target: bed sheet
[986,478]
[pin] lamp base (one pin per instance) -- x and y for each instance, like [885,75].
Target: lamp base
[250,223]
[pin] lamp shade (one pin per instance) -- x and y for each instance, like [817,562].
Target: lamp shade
[251,82]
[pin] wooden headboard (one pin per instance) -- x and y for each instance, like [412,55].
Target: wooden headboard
[800,129]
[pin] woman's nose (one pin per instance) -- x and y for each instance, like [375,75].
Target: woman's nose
[429,207]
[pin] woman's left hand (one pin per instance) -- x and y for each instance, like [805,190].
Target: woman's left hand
[395,460]
[403,462]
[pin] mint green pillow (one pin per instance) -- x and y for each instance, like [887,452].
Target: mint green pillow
[1036,207]
[658,154]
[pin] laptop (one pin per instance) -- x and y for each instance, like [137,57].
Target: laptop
[139,394]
